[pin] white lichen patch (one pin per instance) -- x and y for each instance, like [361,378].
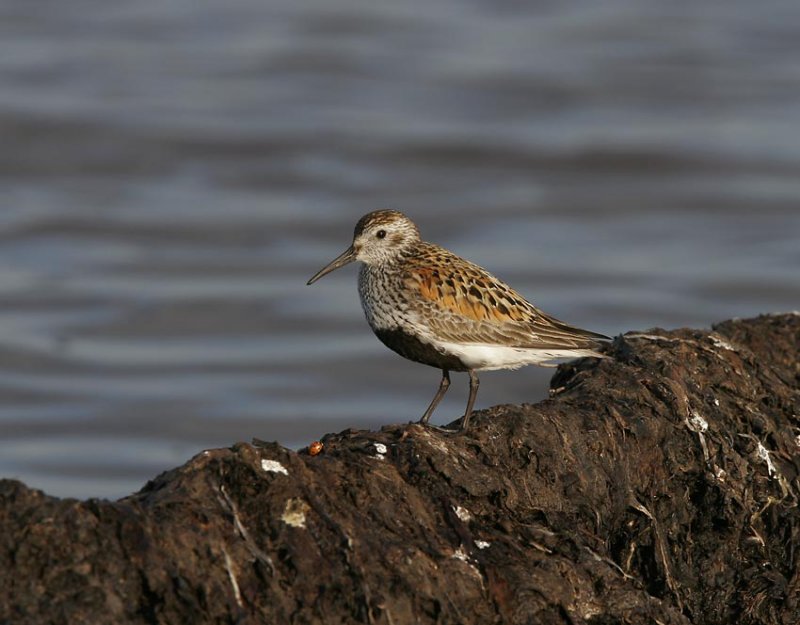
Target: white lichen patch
[797,440]
[295,512]
[380,451]
[460,554]
[273,466]
[590,611]
[763,453]
[482,544]
[720,342]
[716,402]
[463,514]
[697,423]
[436,442]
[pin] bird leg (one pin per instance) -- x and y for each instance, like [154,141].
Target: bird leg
[443,386]
[474,383]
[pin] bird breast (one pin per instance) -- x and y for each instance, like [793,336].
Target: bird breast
[382,298]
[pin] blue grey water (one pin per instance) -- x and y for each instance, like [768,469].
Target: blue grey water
[171,174]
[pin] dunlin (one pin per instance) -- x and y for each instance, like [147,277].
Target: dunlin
[433,307]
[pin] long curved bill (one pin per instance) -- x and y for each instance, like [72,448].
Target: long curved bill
[348,256]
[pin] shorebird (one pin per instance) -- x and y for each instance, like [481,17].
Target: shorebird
[433,307]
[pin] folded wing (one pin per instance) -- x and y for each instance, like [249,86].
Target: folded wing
[466,304]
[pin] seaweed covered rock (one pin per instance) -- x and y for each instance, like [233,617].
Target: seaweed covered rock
[657,486]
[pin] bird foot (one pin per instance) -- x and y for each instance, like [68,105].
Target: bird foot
[438,428]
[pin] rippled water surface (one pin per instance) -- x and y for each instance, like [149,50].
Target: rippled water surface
[173,172]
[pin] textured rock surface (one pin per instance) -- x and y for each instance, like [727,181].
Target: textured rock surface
[660,486]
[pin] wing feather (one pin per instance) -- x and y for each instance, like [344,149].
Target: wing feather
[464,303]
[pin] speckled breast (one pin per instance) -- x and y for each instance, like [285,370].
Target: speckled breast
[388,312]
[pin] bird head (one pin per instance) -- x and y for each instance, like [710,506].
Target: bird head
[380,237]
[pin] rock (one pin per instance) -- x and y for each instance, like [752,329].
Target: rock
[660,486]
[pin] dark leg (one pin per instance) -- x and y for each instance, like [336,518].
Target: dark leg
[443,386]
[474,383]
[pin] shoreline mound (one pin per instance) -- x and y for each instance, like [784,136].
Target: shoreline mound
[657,486]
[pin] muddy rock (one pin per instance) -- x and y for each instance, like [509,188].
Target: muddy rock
[657,486]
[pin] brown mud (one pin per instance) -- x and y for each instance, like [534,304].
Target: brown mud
[660,486]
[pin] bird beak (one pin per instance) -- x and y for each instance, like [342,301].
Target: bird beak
[348,256]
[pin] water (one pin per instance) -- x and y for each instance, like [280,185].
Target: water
[173,172]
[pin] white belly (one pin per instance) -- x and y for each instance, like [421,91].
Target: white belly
[486,357]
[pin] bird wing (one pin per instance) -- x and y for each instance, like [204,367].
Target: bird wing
[464,303]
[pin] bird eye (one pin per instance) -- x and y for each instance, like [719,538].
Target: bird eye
[381,234]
